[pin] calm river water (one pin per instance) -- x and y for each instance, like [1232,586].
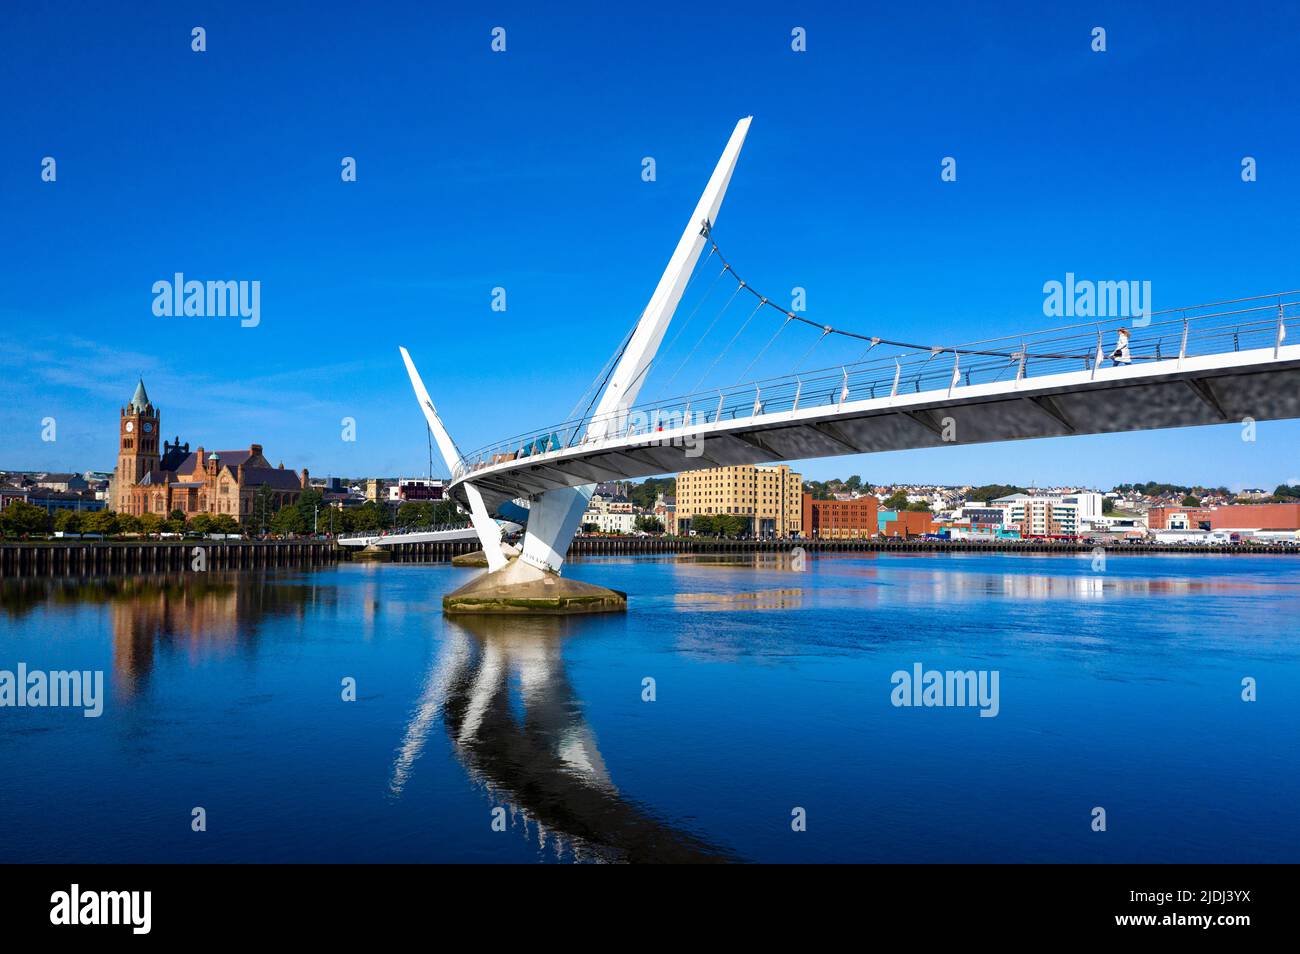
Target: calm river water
[773,701]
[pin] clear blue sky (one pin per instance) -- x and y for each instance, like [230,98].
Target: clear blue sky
[523,170]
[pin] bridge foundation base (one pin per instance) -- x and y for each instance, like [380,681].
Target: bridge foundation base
[374,552]
[479,558]
[522,588]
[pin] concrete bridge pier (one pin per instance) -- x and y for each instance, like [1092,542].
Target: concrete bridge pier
[520,587]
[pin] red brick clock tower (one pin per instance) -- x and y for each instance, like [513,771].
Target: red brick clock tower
[137,451]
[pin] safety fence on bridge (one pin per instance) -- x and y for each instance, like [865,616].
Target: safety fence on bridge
[888,369]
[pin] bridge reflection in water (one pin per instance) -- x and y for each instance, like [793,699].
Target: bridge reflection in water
[543,767]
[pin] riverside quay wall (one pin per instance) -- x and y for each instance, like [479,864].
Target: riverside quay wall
[106,558]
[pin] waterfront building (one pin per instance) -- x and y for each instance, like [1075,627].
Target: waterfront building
[769,498]
[1049,515]
[159,480]
[665,509]
[853,518]
[415,488]
[979,534]
[906,523]
[610,517]
[1263,516]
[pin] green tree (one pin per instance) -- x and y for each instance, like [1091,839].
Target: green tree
[921,506]
[68,521]
[200,523]
[643,494]
[334,520]
[261,509]
[732,525]
[23,519]
[308,504]
[590,528]
[99,521]
[896,501]
[151,523]
[225,523]
[990,492]
[705,525]
[446,512]
[288,520]
[647,523]
[415,513]
[371,515]
[1191,501]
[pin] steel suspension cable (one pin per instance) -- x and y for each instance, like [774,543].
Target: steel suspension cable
[873,339]
[720,354]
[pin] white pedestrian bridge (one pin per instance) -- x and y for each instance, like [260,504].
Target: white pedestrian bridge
[393,537]
[1211,364]
[1222,362]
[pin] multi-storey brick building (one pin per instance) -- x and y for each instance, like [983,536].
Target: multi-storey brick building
[769,498]
[851,519]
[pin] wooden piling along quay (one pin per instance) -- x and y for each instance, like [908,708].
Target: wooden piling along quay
[439,552]
[100,558]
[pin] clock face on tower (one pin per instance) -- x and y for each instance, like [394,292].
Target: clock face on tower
[130,426]
[148,428]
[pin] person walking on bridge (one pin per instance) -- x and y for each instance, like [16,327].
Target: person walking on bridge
[1121,353]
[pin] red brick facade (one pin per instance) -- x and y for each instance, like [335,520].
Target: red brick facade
[1274,516]
[840,519]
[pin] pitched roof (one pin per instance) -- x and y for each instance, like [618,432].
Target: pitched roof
[139,400]
[185,465]
[274,477]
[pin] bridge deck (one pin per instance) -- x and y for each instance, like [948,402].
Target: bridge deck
[1262,384]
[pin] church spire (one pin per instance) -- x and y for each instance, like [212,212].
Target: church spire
[139,400]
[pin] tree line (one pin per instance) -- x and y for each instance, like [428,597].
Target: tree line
[308,514]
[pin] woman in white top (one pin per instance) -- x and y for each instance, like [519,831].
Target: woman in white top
[1120,355]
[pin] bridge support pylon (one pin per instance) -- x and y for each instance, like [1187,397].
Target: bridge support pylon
[531,582]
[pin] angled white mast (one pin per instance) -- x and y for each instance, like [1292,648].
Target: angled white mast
[626,381]
[554,515]
[489,532]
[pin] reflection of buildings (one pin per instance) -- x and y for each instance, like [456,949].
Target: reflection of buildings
[160,615]
[544,765]
[192,616]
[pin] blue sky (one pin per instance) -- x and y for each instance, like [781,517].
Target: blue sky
[523,170]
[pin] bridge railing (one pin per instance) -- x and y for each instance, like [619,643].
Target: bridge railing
[394,531]
[1172,335]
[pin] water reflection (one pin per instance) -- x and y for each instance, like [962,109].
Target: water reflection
[168,613]
[790,598]
[542,764]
